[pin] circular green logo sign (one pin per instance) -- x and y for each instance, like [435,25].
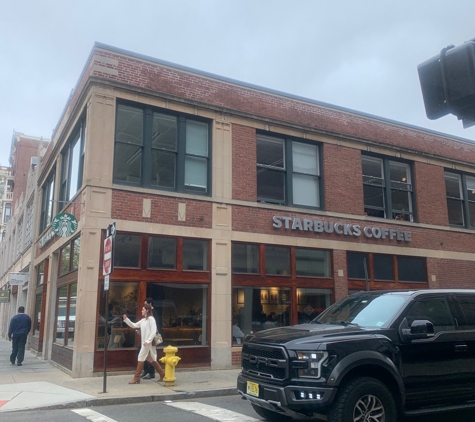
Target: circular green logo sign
[64,224]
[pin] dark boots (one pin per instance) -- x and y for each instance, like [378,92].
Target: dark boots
[148,371]
[159,369]
[138,371]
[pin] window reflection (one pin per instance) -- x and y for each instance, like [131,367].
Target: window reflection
[182,311]
[260,308]
[122,300]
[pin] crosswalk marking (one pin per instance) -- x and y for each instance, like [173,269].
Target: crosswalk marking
[92,415]
[212,412]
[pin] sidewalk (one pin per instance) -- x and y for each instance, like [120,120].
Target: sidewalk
[38,384]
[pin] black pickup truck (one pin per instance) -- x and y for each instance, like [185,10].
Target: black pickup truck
[373,356]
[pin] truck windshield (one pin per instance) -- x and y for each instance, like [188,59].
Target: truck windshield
[363,310]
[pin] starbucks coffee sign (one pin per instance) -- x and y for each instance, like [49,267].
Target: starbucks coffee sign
[64,224]
[340,228]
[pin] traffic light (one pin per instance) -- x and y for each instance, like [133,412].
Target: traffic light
[448,83]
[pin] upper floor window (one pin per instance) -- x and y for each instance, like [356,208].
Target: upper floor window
[7,214]
[29,223]
[460,189]
[19,235]
[164,151]
[388,189]
[73,163]
[47,202]
[288,172]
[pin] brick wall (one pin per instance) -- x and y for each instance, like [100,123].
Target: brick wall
[152,75]
[429,186]
[342,179]
[128,205]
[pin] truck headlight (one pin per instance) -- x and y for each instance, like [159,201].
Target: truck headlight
[314,362]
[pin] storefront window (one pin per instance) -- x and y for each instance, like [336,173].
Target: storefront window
[37,315]
[61,314]
[182,311]
[162,252]
[259,308]
[312,302]
[277,260]
[122,300]
[40,273]
[127,250]
[66,315]
[73,291]
[76,251]
[312,263]
[245,258]
[64,260]
[195,255]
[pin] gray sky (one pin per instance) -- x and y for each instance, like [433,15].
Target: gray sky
[359,54]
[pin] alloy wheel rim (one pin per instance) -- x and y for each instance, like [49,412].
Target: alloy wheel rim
[369,409]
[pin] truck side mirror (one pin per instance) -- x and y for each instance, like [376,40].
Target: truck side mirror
[419,329]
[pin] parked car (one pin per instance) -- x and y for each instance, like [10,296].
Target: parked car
[372,356]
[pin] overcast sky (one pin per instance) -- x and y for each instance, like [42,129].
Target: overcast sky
[359,54]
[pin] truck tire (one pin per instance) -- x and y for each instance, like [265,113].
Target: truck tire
[269,415]
[363,399]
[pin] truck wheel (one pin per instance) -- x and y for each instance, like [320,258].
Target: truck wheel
[269,415]
[361,400]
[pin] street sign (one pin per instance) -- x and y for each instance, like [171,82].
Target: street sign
[107,256]
[18,279]
[106,282]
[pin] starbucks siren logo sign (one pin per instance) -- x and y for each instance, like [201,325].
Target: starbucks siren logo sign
[64,224]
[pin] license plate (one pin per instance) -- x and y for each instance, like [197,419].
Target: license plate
[253,389]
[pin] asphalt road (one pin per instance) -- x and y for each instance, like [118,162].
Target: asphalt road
[215,408]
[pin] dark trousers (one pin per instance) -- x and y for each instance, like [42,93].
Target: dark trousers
[18,348]
[147,366]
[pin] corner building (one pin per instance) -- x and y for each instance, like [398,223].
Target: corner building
[237,209]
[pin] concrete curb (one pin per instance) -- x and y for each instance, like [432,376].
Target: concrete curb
[98,401]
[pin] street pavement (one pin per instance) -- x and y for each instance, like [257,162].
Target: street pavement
[38,384]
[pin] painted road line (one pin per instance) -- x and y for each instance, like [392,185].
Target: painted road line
[92,415]
[212,412]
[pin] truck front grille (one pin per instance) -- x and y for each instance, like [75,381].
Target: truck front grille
[266,362]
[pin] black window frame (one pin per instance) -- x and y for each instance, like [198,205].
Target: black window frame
[47,201]
[463,200]
[358,274]
[146,149]
[387,209]
[287,169]
[67,155]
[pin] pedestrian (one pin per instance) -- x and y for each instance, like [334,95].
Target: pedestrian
[20,326]
[148,369]
[148,329]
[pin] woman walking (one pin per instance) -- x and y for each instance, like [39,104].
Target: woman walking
[148,329]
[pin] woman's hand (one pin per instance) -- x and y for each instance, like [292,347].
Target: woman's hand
[145,343]
[124,317]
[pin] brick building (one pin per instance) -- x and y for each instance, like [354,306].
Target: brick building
[237,208]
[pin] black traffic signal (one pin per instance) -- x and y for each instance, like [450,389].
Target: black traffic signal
[448,83]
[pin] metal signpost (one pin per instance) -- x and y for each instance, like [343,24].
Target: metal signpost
[107,268]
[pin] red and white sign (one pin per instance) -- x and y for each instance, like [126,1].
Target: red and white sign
[107,256]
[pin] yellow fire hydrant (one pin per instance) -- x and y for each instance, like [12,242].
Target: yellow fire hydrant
[170,361]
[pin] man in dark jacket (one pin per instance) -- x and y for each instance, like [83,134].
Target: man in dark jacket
[20,326]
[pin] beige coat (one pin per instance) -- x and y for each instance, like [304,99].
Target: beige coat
[148,328]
